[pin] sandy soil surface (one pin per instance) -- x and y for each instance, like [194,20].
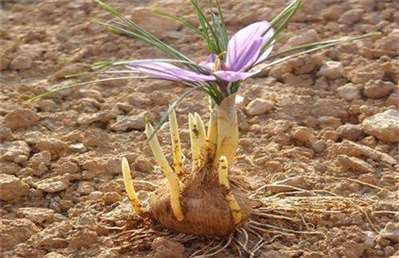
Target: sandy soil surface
[326,121]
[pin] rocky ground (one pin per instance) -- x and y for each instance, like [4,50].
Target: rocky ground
[326,121]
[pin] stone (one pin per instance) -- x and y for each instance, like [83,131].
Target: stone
[39,163]
[53,184]
[85,188]
[67,167]
[376,89]
[350,131]
[354,164]
[47,105]
[304,135]
[329,122]
[77,148]
[332,70]
[329,107]
[351,17]
[21,62]
[96,195]
[87,119]
[21,119]
[349,92]
[391,231]
[143,164]
[392,100]
[15,231]
[354,149]
[54,236]
[83,238]
[319,146]
[362,74]
[259,106]
[54,146]
[41,216]
[5,134]
[111,198]
[308,36]
[41,157]
[384,126]
[11,187]
[389,42]
[332,12]
[113,166]
[136,122]
[96,138]
[95,167]
[17,151]
[164,248]
[54,255]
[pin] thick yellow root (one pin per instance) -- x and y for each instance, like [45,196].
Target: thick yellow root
[173,181]
[176,145]
[195,139]
[131,193]
[224,182]
[202,138]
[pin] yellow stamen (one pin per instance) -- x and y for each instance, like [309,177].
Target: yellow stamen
[217,64]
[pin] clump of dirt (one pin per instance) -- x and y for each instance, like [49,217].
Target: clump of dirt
[323,124]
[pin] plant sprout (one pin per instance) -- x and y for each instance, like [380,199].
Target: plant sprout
[203,200]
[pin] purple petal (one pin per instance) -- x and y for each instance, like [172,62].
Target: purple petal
[245,45]
[231,76]
[249,56]
[167,71]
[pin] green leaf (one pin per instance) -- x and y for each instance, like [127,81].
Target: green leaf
[206,27]
[221,33]
[280,22]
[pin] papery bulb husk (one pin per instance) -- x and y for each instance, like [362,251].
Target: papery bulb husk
[227,124]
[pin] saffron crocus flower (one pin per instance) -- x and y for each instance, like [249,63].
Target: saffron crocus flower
[245,49]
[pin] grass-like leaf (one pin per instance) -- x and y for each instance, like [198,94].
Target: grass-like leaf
[280,22]
[312,47]
[74,85]
[129,28]
[206,28]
